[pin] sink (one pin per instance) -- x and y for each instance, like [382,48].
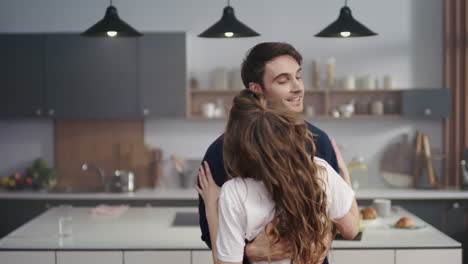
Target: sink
[357,238]
[77,190]
[186,219]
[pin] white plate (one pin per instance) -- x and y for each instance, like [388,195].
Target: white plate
[372,222]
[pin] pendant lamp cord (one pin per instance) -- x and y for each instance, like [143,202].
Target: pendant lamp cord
[229,2]
[345,2]
[110,2]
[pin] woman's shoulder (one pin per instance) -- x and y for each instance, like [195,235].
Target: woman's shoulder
[238,184]
[239,187]
[325,169]
[321,162]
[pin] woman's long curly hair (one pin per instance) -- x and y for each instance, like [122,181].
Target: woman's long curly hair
[269,144]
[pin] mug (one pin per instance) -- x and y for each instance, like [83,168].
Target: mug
[382,206]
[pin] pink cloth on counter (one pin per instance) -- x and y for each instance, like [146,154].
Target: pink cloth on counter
[109,210]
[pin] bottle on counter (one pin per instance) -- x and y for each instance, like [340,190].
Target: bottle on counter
[358,172]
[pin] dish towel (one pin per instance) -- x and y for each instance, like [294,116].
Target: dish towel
[109,210]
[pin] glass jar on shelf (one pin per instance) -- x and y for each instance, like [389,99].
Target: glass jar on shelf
[362,106]
[390,106]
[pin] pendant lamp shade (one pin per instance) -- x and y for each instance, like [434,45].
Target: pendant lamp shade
[345,26]
[111,26]
[228,27]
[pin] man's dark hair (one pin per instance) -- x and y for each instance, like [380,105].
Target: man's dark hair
[253,65]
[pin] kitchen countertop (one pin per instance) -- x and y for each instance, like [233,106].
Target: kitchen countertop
[191,194]
[150,228]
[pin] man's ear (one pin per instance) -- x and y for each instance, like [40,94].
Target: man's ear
[255,87]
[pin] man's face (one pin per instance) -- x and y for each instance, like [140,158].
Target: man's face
[283,82]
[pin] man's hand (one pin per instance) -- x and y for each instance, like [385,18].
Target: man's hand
[259,249]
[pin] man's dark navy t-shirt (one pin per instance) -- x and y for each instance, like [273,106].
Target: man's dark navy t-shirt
[214,157]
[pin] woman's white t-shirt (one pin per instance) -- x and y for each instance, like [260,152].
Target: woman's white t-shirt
[245,209]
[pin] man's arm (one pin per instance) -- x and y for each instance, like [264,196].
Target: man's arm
[323,146]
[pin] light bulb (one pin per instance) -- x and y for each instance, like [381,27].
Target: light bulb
[345,34]
[111,33]
[228,34]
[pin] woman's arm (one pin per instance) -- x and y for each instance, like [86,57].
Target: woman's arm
[210,194]
[209,191]
[260,250]
[348,225]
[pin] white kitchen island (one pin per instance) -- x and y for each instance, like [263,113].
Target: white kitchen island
[146,235]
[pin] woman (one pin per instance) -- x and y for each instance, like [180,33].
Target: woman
[274,178]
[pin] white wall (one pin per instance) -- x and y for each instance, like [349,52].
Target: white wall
[409,47]
[22,141]
[191,138]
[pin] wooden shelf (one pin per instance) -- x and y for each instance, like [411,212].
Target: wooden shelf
[322,99]
[307,91]
[329,117]
[200,117]
[318,117]
[364,91]
[212,91]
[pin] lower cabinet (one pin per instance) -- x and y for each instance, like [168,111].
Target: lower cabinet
[400,256]
[202,257]
[79,257]
[365,256]
[157,257]
[428,256]
[23,257]
[337,256]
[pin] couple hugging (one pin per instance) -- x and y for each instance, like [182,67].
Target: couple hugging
[282,199]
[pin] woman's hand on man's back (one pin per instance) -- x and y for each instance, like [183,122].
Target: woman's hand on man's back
[259,249]
[208,189]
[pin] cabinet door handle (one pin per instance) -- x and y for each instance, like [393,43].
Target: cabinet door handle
[38,112]
[428,111]
[145,112]
[51,112]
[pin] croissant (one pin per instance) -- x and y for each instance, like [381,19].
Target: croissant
[368,213]
[405,222]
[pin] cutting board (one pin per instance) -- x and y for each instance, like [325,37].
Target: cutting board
[396,163]
[142,160]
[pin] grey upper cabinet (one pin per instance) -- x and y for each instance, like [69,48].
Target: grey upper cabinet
[91,77]
[426,103]
[162,74]
[21,76]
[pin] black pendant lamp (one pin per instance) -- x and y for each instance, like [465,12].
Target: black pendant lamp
[111,26]
[228,27]
[345,26]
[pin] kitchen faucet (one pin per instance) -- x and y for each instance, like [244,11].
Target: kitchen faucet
[101,172]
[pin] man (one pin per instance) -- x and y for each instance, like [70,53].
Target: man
[273,69]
